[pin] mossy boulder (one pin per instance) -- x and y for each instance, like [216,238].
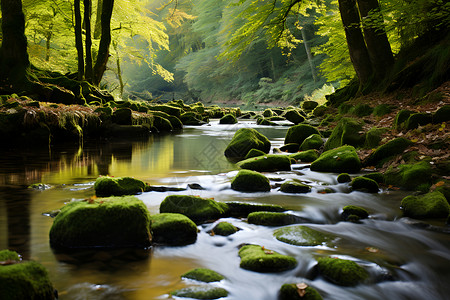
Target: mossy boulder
[242,210]
[418,119]
[197,209]
[373,137]
[309,105]
[384,152]
[201,292]
[340,160]
[305,156]
[250,181]
[294,187]
[442,115]
[272,218]
[430,205]
[377,176]
[106,186]
[343,178]
[341,271]
[161,124]
[244,140]
[266,163]
[122,116]
[174,121]
[290,291]
[191,118]
[102,223]
[347,132]
[291,148]
[294,116]
[258,259]
[298,133]
[320,111]
[381,110]
[173,229]
[364,184]
[25,280]
[203,275]
[168,109]
[224,228]
[266,122]
[313,141]
[352,210]
[300,235]
[8,255]
[268,113]
[228,119]
[254,153]
[361,110]
[416,176]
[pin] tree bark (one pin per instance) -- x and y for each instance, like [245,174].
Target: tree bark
[79,39]
[355,41]
[378,46]
[88,40]
[105,41]
[14,60]
[308,54]
[98,22]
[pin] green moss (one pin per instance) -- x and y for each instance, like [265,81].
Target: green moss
[309,105]
[418,119]
[341,271]
[377,176]
[254,153]
[347,132]
[105,222]
[320,111]
[295,187]
[381,110]
[192,118]
[349,210]
[117,186]
[401,118]
[384,152]
[305,156]
[244,140]
[291,148]
[364,184]
[241,210]
[266,163]
[276,118]
[289,291]
[122,116]
[271,218]
[195,208]
[168,109]
[106,111]
[409,176]
[258,259]
[344,108]
[200,292]
[268,113]
[228,119]
[314,141]
[26,280]
[300,235]
[174,121]
[340,160]
[298,133]
[9,255]
[294,116]
[361,110]
[225,229]
[250,181]
[442,115]
[343,177]
[203,275]
[430,205]
[173,229]
[265,122]
[162,124]
[373,137]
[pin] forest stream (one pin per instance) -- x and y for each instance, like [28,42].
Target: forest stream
[406,259]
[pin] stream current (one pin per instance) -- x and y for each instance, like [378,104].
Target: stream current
[406,259]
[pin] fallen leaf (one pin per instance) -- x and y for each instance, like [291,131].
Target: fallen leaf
[372,249]
[301,289]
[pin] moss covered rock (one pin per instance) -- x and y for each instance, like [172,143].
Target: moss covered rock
[415,176]
[344,177]
[361,110]
[106,186]
[377,176]
[384,152]
[430,205]
[401,117]
[298,133]
[224,228]
[291,148]
[203,275]
[340,160]
[244,140]
[266,122]
[241,209]
[173,229]
[320,111]
[300,235]
[347,132]
[381,110]
[254,153]
[104,222]
[309,105]
[268,113]
[195,208]
[161,124]
[258,259]
[228,119]
[295,187]
[266,163]
[352,210]
[272,218]
[174,121]
[305,156]
[294,116]
[250,181]
[122,116]
[442,115]
[25,280]
[364,184]
[291,291]
[373,137]
[418,119]
[6,255]
[168,109]
[200,292]
[341,271]
[313,141]
[191,118]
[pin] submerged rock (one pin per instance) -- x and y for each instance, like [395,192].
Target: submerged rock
[258,259]
[354,213]
[173,229]
[341,271]
[431,205]
[102,223]
[203,275]
[106,186]
[243,141]
[200,292]
[266,163]
[305,156]
[303,236]
[340,160]
[292,291]
[273,218]
[241,210]
[295,187]
[224,228]
[364,184]
[250,181]
[197,209]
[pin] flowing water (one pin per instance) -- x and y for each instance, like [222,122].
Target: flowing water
[406,260]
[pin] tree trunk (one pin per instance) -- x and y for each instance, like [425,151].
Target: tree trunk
[378,46]
[105,41]
[48,39]
[14,60]
[88,40]
[79,39]
[98,22]
[308,54]
[355,41]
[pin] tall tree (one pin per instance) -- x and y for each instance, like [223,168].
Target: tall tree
[88,71]
[105,41]
[79,39]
